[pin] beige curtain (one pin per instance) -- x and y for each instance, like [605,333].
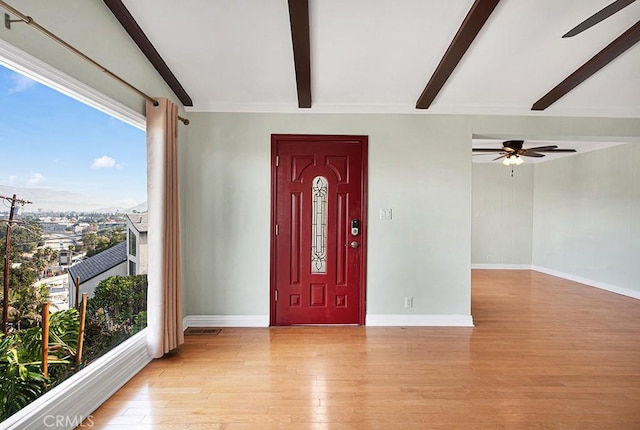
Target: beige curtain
[164,298]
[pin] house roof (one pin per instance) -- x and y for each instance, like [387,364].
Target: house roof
[140,221]
[99,263]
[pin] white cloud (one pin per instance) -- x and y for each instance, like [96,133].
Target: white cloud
[104,162]
[12,179]
[35,179]
[20,83]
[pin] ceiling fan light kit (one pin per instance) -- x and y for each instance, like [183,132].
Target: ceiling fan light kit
[512,160]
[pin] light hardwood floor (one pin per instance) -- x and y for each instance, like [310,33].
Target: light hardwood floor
[546,353]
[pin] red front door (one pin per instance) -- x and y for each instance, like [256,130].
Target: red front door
[318,229]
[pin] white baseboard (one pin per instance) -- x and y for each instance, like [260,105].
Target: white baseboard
[591,283]
[225,321]
[372,320]
[68,404]
[602,285]
[502,266]
[420,320]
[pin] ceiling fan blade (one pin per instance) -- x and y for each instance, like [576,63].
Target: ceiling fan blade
[532,154]
[563,150]
[542,148]
[502,156]
[598,16]
[486,150]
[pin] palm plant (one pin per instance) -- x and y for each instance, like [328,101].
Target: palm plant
[21,377]
[21,380]
[25,301]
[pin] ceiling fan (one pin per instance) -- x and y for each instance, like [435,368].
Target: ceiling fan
[512,150]
[598,17]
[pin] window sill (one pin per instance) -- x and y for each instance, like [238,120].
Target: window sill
[68,404]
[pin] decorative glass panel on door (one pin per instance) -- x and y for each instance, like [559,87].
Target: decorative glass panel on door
[319,189]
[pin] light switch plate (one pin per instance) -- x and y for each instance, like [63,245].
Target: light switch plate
[385,214]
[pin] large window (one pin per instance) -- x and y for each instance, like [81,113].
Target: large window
[76,172]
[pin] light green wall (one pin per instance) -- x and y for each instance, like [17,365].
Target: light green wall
[580,216]
[502,221]
[587,216]
[418,253]
[419,166]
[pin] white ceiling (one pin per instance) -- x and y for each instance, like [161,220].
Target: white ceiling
[378,55]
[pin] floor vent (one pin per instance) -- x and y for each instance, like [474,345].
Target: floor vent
[191,331]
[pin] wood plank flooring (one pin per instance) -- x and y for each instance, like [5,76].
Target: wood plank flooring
[546,353]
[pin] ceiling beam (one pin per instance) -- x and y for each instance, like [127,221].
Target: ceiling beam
[599,16]
[597,62]
[127,21]
[471,26]
[299,20]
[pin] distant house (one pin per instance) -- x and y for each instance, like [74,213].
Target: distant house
[110,262]
[54,226]
[58,287]
[65,257]
[137,226]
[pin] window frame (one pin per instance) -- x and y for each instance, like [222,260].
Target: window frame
[85,391]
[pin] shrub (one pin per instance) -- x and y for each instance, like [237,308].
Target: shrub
[121,297]
[116,312]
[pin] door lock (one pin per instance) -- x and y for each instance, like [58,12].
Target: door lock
[355,227]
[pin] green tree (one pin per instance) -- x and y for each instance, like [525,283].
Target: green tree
[117,235]
[37,263]
[24,304]
[24,237]
[24,298]
[115,312]
[96,243]
[121,297]
[89,240]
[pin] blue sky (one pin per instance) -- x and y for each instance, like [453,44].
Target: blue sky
[49,140]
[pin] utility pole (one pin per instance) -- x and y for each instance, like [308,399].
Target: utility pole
[7,251]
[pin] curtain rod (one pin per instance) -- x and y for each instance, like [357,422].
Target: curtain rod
[30,21]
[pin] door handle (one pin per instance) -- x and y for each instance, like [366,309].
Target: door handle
[354,244]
